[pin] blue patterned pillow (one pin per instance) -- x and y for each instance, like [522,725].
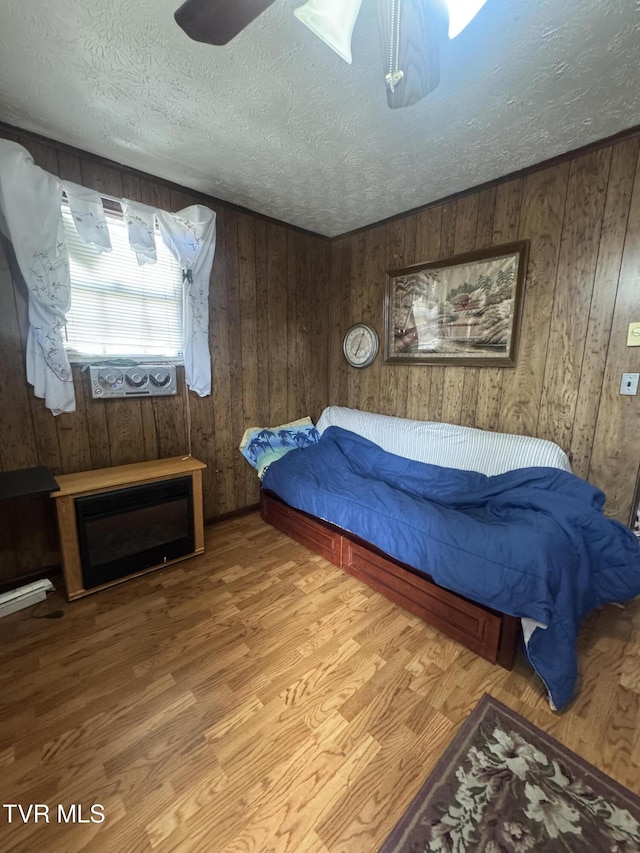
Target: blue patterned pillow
[261,446]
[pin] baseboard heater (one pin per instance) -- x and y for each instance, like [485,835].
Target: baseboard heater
[24,596]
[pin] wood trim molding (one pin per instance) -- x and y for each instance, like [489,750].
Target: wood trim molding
[234,513]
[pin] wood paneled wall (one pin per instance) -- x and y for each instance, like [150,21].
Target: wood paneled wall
[269,346]
[282,299]
[582,217]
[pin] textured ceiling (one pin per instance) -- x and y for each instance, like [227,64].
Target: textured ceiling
[276,122]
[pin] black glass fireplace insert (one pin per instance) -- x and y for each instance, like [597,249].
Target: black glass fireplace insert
[128,530]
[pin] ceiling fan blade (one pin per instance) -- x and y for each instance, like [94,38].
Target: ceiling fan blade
[218,21]
[414,42]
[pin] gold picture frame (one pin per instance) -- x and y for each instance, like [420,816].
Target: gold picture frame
[464,310]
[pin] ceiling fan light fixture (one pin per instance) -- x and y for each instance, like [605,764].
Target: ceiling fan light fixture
[461,13]
[332,21]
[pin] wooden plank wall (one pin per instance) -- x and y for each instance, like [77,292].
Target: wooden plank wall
[282,299]
[582,217]
[269,319]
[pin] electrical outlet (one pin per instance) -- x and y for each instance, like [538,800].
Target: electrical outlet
[629,384]
[633,335]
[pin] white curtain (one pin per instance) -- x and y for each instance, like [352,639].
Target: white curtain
[191,235]
[31,218]
[140,221]
[88,216]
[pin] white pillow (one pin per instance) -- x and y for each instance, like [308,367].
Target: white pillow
[448,445]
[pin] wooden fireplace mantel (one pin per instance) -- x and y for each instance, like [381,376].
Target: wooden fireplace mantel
[104,480]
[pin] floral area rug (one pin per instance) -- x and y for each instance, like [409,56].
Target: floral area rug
[504,786]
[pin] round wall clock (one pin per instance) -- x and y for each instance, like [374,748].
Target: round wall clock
[360,345]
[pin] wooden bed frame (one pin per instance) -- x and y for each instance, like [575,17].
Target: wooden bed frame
[490,634]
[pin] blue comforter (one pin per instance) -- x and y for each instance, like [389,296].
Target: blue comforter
[531,543]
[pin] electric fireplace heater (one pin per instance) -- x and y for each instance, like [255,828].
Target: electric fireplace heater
[125,531]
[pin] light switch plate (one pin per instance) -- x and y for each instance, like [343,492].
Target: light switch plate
[633,335]
[629,384]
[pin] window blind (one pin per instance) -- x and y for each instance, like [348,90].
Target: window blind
[118,308]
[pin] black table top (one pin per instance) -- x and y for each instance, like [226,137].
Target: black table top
[26,481]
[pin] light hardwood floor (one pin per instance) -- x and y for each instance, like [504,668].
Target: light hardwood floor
[257,698]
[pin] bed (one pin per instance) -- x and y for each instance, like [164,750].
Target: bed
[490,634]
[476,532]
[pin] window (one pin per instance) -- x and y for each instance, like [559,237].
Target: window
[118,308]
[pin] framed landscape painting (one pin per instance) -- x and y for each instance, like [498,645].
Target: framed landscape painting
[464,310]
